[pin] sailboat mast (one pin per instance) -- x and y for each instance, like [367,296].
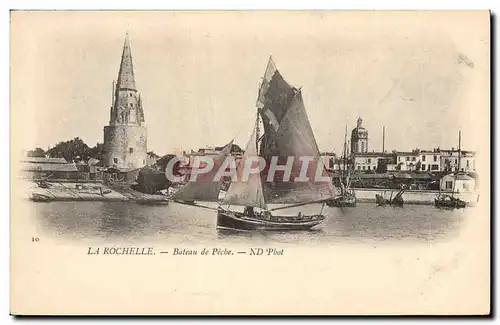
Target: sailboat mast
[383,139]
[345,140]
[257,129]
[459,151]
[458,167]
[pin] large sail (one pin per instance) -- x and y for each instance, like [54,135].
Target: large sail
[295,138]
[247,192]
[205,188]
[275,95]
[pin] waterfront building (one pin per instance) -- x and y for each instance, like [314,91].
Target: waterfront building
[449,160]
[370,161]
[407,160]
[188,158]
[430,160]
[125,138]
[38,168]
[416,160]
[461,183]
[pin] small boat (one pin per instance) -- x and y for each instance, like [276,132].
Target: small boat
[396,201]
[343,201]
[37,197]
[347,197]
[447,201]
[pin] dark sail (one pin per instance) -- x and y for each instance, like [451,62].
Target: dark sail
[287,132]
[275,95]
[295,138]
[205,188]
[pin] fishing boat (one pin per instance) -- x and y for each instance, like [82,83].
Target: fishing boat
[450,201]
[347,196]
[346,200]
[287,133]
[396,201]
[37,197]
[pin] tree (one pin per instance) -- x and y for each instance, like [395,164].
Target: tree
[70,150]
[381,166]
[97,151]
[418,166]
[38,152]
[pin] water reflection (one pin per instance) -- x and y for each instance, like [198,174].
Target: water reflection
[187,224]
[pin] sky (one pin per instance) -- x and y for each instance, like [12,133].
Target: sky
[198,74]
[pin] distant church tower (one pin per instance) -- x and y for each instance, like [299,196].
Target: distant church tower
[125,139]
[359,138]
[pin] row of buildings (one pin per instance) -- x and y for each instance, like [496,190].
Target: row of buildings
[435,160]
[416,160]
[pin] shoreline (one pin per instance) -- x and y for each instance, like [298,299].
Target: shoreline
[412,197]
[68,191]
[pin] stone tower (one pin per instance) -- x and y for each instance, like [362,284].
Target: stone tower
[359,138]
[125,139]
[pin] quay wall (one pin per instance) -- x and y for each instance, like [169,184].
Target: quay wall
[424,197]
[68,191]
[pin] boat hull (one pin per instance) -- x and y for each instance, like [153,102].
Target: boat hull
[36,197]
[449,205]
[239,221]
[381,201]
[342,202]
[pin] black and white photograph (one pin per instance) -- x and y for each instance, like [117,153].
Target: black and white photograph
[250,162]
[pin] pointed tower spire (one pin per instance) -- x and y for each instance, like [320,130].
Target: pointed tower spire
[125,138]
[126,79]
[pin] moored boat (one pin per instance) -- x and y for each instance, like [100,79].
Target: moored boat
[347,197]
[37,197]
[227,219]
[396,201]
[343,201]
[447,201]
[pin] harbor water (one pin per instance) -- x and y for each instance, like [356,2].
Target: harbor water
[175,223]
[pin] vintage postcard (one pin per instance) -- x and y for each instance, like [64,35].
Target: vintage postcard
[250,162]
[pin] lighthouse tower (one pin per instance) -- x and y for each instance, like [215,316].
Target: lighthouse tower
[125,138]
[359,138]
